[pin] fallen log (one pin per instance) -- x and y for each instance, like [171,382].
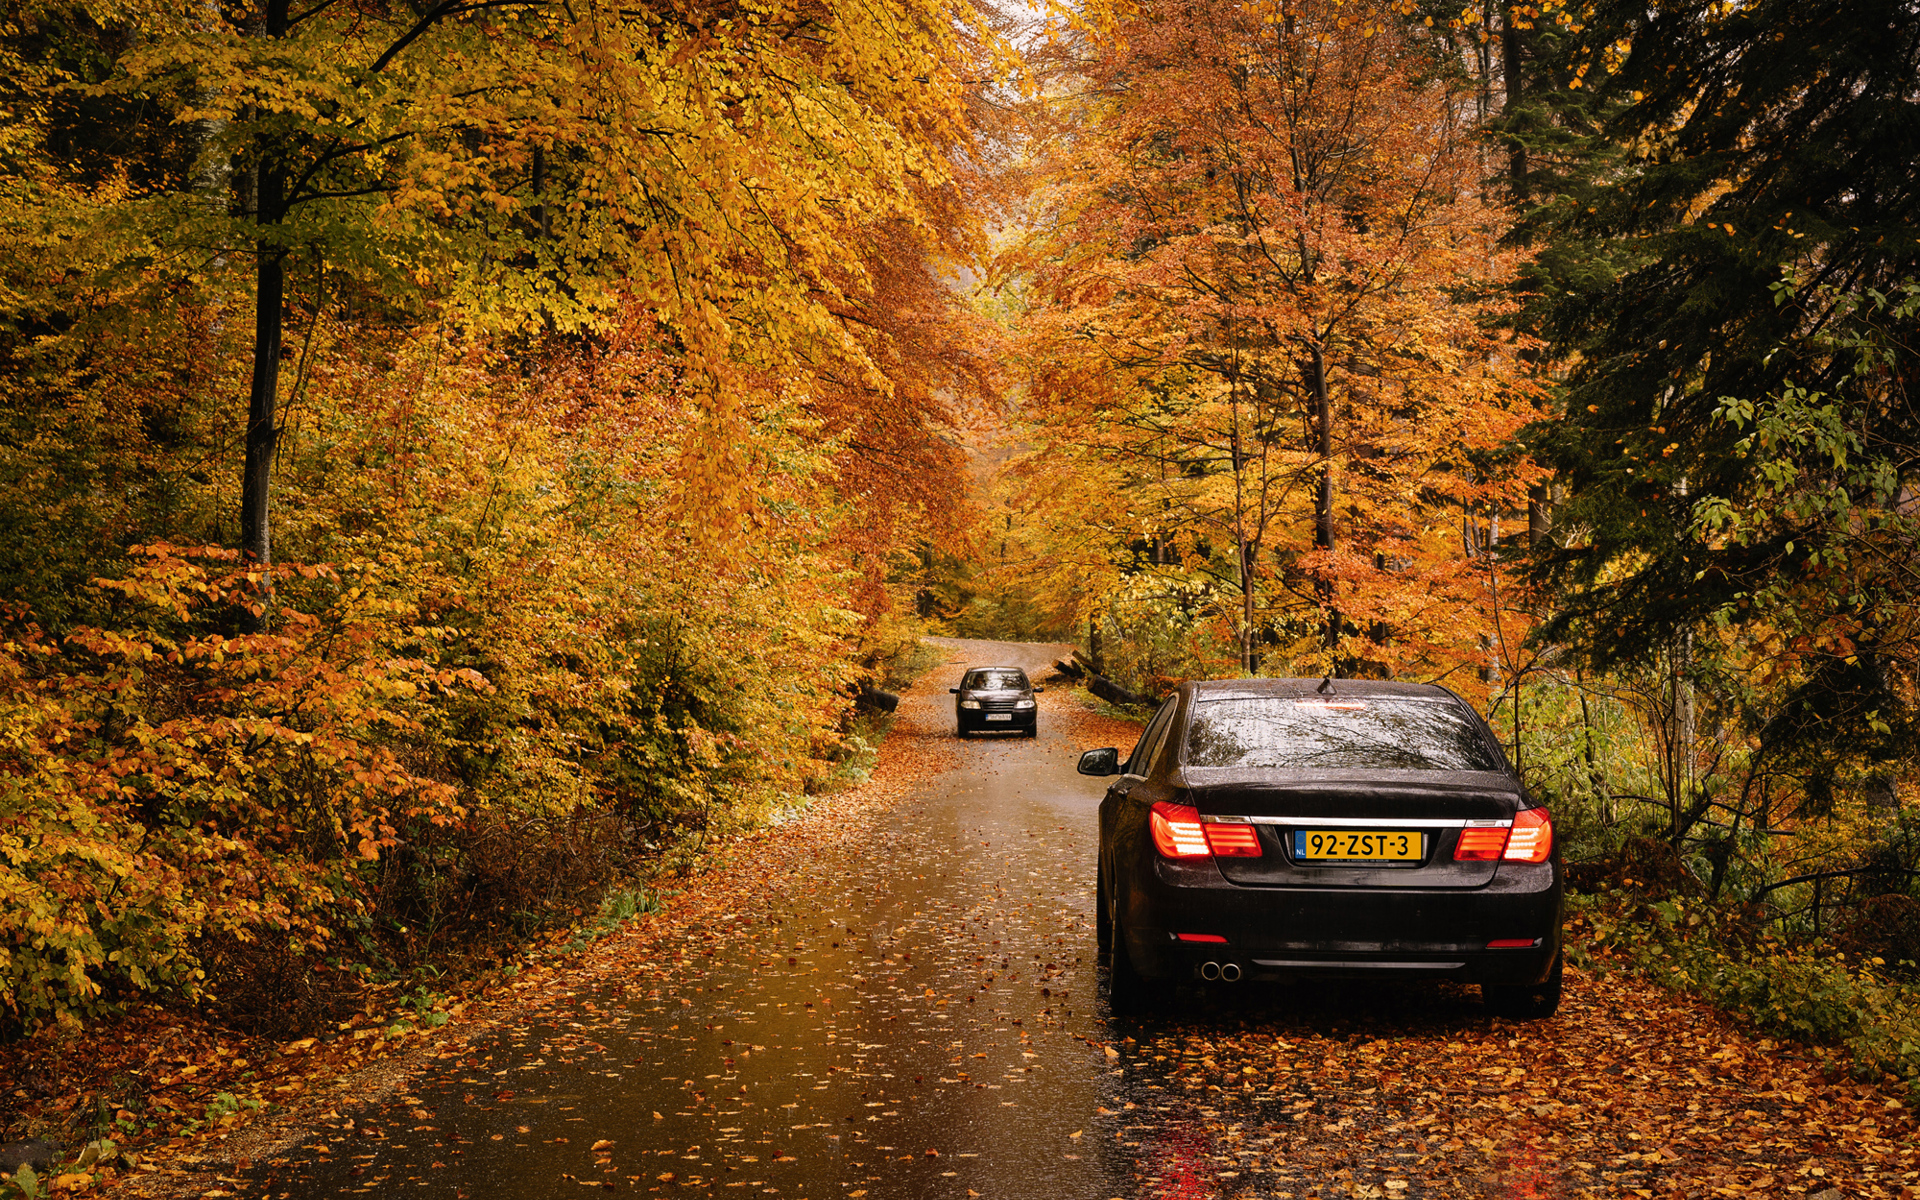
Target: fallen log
[1113,693]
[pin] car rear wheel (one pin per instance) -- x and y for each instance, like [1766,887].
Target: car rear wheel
[1529,1002]
[1129,993]
[1102,920]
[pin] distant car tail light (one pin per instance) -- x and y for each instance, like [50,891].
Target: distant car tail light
[1480,843]
[1532,836]
[1177,832]
[1233,841]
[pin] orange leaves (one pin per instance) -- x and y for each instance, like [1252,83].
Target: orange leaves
[465,675]
[1252,364]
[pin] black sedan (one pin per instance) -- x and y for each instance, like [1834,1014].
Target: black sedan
[993,698]
[1272,829]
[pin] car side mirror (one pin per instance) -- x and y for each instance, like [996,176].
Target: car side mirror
[1038,690]
[953,691]
[1104,761]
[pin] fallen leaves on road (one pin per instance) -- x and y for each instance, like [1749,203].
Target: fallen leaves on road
[1628,1091]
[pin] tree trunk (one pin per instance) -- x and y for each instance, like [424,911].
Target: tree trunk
[1685,724]
[1249,649]
[1244,547]
[1540,495]
[541,215]
[1682,736]
[1323,496]
[256,537]
[1512,86]
[1482,51]
[1594,775]
[270,285]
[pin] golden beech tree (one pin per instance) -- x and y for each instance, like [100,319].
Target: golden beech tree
[1255,245]
[526,165]
[899,460]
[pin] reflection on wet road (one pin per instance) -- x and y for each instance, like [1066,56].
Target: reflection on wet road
[909,1010]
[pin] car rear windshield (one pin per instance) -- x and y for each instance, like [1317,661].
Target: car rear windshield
[1396,733]
[996,681]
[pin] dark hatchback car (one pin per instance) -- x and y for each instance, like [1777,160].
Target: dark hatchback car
[996,698]
[1274,829]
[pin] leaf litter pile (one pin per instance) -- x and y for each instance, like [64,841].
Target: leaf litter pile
[894,996]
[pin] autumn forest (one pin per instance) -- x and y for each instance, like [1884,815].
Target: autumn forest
[460,457]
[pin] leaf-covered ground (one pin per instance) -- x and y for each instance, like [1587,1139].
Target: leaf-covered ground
[894,995]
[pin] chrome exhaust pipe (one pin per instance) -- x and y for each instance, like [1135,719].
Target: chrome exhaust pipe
[1230,972]
[1210,971]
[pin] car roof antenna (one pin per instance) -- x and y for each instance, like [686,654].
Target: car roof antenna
[1326,685]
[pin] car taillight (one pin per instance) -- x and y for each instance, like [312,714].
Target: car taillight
[1480,843]
[1532,836]
[1177,832]
[1233,841]
[1529,840]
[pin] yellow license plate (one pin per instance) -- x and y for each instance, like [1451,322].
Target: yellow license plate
[1357,845]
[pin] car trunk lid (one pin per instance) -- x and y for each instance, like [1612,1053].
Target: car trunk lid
[1377,829]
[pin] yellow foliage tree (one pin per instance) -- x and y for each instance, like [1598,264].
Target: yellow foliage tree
[528,166]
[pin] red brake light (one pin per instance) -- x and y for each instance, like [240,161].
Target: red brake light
[1233,841]
[1176,831]
[1532,838]
[1179,833]
[1529,840]
[1480,843]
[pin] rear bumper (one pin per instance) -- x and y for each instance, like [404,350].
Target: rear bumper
[1343,932]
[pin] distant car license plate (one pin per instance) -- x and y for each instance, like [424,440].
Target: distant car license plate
[1356,845]
[999,716]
